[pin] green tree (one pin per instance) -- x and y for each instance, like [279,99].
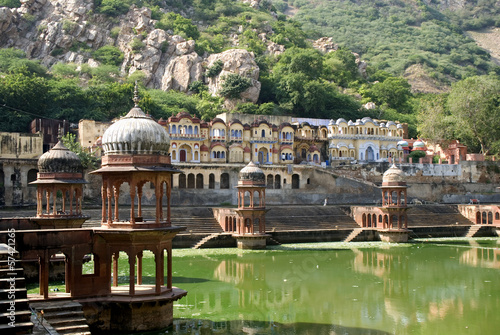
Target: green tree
[474,104]
[434,119]
[23,97]
[233,85]
[340,66]
[394,92]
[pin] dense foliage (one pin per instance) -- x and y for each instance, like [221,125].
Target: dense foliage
[392,35]
[470,112]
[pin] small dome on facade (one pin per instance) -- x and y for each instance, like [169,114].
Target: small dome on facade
[402,143]
[59,159]
[247,149]
[418,144]
[203,147]
[399,126]
[136,133]
[252,175]
[394,175]
[313,148]
[350,123]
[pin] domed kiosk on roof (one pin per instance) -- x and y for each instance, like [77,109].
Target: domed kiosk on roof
[60,159]
[59,171]
[251,175]
[135,152]
[394,208]
[251,208]
[136,133]
[394,176]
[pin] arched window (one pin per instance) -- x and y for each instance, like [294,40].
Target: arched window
[199,180]
[190,181]
[182,180]
[224,180]
[31,175]
[269,183]
[295,181]
[277,182]
[211,181]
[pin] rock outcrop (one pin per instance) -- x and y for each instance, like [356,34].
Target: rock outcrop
[66,31]
[240,62]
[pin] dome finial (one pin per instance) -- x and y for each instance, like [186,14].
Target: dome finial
[136,96]
[60,132]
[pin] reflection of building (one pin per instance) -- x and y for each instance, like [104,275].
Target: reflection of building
[481,258]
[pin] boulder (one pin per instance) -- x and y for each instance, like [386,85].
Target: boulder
[325,45]
[240,62]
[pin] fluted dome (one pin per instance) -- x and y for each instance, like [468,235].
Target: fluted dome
[402,143]
[418,144]
[252,175]
[136,133]
[59,159]
[394,175]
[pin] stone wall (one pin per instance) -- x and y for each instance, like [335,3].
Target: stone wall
[15,174]
[20,145]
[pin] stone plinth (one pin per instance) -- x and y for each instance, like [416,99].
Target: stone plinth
[131,314]
[248,241]
[394,235]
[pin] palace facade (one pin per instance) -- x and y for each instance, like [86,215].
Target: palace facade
[240,138]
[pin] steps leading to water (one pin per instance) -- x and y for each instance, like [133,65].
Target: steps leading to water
[66,317]
[205,240]
[355,233]
[13,295]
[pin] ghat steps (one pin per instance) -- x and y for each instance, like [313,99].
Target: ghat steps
[13,294]
[435,215]
[66,317]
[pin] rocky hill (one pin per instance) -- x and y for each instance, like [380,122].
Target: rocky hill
[68,31]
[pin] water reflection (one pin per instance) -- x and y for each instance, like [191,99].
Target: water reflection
[423,289]
[208,327]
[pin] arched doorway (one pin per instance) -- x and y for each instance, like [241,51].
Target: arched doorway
[370,154]
[182,155]
[263,156]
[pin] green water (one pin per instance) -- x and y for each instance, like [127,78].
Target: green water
[445,286]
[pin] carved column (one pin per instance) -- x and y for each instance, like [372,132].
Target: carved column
[116,192]
[131,262]
[103,197]
[115,268]
[139,268]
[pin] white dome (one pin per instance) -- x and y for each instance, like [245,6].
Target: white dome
[136,133]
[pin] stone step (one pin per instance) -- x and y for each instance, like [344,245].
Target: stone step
[6,282]
[66,317]
[20,316]
[72,329]
[353,234]
[19,293]
[56,306]
[20,328]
